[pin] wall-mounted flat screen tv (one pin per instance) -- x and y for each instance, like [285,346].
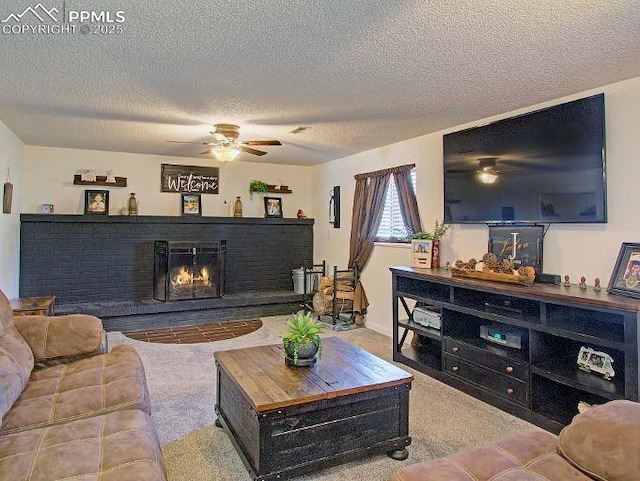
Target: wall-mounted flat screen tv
[546,166]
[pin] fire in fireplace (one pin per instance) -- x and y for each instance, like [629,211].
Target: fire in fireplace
[188,270]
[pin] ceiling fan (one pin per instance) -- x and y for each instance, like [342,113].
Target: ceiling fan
[486,170]
[226,142]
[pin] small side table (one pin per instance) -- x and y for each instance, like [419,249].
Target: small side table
[33,306]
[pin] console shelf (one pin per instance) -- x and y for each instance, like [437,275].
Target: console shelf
[540,380]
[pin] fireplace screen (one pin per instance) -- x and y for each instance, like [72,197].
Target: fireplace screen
[188,270]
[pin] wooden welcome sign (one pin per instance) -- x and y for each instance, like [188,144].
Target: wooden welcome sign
[189,179]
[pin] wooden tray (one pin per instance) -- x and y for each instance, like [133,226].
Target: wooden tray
[492,276]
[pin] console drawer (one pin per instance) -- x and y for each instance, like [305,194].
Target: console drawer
[504,386]
[489,360]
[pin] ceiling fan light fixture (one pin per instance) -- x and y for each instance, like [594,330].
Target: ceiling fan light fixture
[487,176]
[225,154]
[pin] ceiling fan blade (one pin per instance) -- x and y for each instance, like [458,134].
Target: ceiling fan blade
[460,171]
[262,142]
[180,142]
[206,152]
[249,150]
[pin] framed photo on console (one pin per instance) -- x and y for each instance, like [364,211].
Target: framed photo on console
[521,243]
[96,202]
[625,279]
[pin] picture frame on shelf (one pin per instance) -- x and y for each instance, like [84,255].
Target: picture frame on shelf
[191,204]
[46,209]
[96,202]
[421,253]
[625,278]
[273,207]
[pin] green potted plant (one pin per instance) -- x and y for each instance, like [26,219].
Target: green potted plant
[257,186]
[302,342]
[440,229]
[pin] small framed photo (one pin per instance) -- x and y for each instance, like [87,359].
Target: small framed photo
[273,207]
[421,253]
[191,204]
[96,202]
[625,279]
[46,209]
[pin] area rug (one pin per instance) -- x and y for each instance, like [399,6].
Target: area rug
[182,378]
[216,331]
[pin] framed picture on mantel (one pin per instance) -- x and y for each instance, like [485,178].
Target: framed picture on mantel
[96,202]
[191,204]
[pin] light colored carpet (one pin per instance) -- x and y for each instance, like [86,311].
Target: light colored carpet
[182,380]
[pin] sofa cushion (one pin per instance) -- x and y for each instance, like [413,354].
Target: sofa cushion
[604,441]
[114,447]
[521,456]
[101,384]
[61,338]
[16,364]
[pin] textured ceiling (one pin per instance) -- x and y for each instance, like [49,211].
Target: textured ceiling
[359,74]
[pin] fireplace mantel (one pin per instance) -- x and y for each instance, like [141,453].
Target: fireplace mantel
[160,219]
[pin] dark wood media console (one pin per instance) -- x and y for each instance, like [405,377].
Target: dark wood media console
[540,381]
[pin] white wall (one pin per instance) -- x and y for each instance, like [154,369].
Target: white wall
[574,249]
[50,174]
[11,157]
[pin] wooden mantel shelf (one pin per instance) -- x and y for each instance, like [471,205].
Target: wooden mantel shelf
[274,190]
[100,180]
[159,219]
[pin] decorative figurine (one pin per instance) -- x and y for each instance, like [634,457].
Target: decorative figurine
[566,282]
[447,265]
[596,282]
[583,283]
[596,361]
[300,214]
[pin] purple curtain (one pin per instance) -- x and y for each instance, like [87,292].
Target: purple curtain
[408,201]
[368,203]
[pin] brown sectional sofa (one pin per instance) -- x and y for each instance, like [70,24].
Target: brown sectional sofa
[602,443]
[68,409]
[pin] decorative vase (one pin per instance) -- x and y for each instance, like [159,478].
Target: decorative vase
[133,204]
[307,355]
[435,258]
[237,207]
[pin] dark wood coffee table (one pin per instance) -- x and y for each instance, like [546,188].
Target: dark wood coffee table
[286,421]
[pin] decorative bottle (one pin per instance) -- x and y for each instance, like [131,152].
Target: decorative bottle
[435,259]
[133,204]
[237,207]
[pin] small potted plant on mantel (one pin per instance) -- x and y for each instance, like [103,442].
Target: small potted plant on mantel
[301,340]
[257,186]
[440,229]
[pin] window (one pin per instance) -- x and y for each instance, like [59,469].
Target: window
[392,227]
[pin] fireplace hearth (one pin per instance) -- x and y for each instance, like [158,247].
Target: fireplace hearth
[189,270]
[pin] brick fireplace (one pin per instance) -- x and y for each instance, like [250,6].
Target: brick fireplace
[115,255]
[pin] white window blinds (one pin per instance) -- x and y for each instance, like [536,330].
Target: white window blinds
[392,227]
